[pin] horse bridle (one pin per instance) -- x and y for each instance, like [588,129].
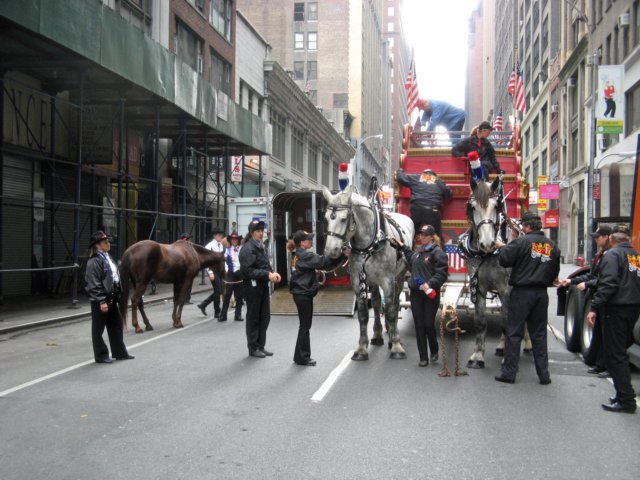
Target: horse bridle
[333,210]
[375,241]
[488,221]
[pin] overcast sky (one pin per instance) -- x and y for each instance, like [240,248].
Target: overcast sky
[437,31]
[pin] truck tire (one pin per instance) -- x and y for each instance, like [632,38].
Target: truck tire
[586,333]
[573,317]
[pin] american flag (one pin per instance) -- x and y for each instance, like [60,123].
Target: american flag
[497,123]
[411,86]
[456,261]
[516,89]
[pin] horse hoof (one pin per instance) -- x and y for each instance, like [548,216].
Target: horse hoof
[178,326]
[477,364]
[360,357]
[149,328]
[139,330]
[398,355]
[499,352]
[527,350]
[377,341]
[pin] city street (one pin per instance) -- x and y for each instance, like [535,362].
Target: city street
[193,405]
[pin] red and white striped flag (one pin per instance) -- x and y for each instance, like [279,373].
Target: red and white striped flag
[457,262]
[411,86]
[497,123]
[516,89]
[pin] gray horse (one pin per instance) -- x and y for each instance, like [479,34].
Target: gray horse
[487,277]
[352,220]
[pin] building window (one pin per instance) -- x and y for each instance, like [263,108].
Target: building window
[199,4]
[313,161]
[297,149]
[188,45]
[312,41]
[632,109]
[220,73]
[534,132]
[543,121]
[534,173]
[636,23]
[312,11]
[536,52]
[326,172]
[298,41]
[391,11]
[554,155]
[220,17]
[298,12]
[312,70]
[543,163]
[574,150]
[544,32]
[298,70]
[279,135]
[340,100]
[390,27]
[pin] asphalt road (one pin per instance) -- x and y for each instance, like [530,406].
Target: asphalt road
[193,405]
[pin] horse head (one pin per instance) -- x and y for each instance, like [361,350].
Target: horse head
[483,211]
[339,217]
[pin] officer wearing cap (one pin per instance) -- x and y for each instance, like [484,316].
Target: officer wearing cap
[257,272]
[103,288]
[534,260]
[233,280]
[214,245]
[617,299]
[304,285]
[588,282]
[477,142]
[428,193]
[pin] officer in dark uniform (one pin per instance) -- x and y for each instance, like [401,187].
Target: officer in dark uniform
[535,263]
[428,193]
[618,295]
[485,153]
[103,288]
[256,273]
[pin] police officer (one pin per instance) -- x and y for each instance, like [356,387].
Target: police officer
[233,278]
[103,288]
[535,263]
[428,193]
[256,273]
[215,245]
[617,297]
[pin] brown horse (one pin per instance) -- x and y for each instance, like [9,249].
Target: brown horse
[177,263]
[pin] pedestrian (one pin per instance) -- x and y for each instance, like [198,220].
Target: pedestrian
[428,194]
[587,283]
[103,288]
[304,285]
[439,113]
[215,245]
[257,272]
[233,279]
[617,298]
[479,152]
[429,270]
[534,260]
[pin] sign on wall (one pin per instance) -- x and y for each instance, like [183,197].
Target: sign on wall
[236,169]
[610,106]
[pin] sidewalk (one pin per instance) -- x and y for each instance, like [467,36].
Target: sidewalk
[21,313]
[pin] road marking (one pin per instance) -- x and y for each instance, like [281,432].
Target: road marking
[89,362]
[557,333]
[332,378]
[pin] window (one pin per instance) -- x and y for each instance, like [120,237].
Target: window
[298,70]
[326,164]
[313,161]
[543,121]
[298,12]
[632,113]
[279,134]
[391,11]
[220,73]
[312,41]
[390,27]
[545,33]
[574,150]
[312,11]
[636,23]
[554,154]
[199,4]
[536,52]
[298,41]
[220,17]
[534,132]
[312,70]
[297,149]
[534,173]
[543,163]
[188,45]
[340,100]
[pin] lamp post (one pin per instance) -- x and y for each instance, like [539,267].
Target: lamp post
[357,178]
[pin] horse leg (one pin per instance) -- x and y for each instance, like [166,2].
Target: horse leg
[362,352]
[376,302]
[480,323]
[392,302]
[179,295]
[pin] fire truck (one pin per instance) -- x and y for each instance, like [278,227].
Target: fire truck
[429,150]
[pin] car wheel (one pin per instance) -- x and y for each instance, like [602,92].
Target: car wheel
[586,334]
[573,319]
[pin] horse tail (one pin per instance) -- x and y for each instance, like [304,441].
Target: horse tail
[125,278]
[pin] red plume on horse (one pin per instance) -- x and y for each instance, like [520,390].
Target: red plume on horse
[177,263]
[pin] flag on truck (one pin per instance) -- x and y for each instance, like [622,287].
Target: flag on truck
[497,123]
[411,86]
[456,260]
[516,89]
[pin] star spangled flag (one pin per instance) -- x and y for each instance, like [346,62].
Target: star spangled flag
[497,123]
[457,262]
[516,89]
[411,86]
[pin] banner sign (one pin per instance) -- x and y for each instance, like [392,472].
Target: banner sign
[542,202]
[550,192]
[236,169]
[610,107]
[552,218]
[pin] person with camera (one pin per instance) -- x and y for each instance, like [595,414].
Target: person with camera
[103,288]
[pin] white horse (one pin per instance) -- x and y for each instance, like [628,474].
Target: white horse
[486,213]
[353,221]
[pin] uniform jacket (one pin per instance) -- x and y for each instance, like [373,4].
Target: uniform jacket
[254,262]
[534,260]
[425,194]
[618,278]
[429,263]
[590,279]
[98,279]
[485,150]
[303,274]
[442,113]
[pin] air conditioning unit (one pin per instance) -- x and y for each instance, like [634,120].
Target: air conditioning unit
[590,60]
[554,108]
[200,64]
[563,142]
[624,20]
[571,82]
